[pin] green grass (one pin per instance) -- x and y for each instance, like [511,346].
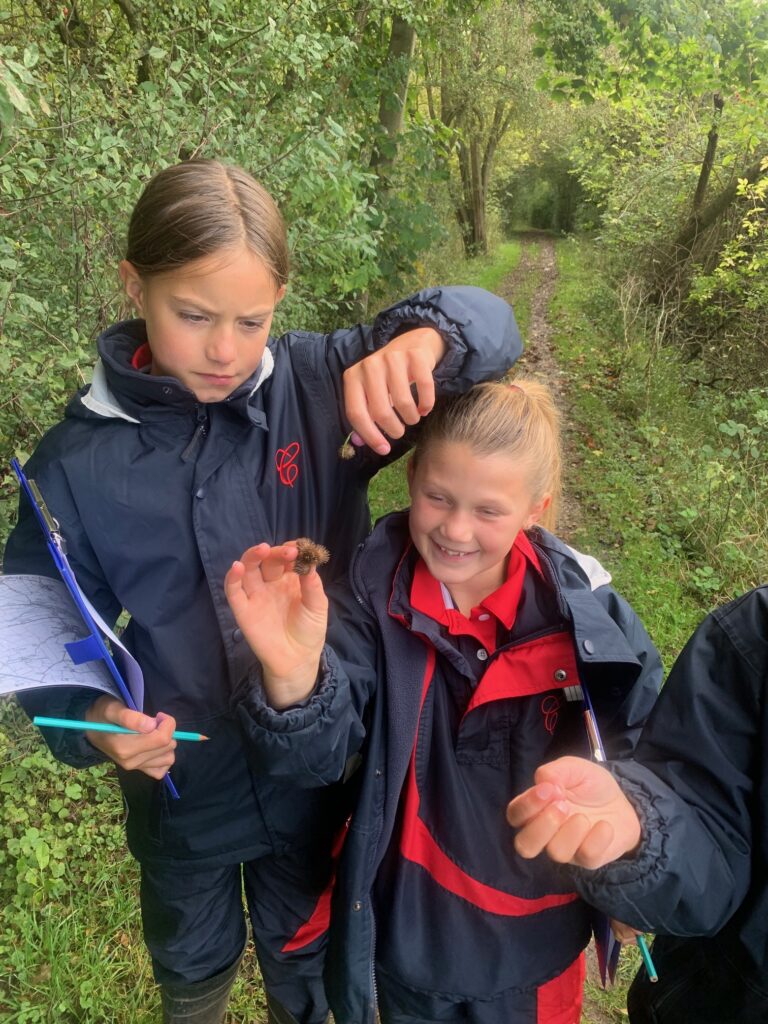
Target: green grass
[609,452]
[670,505]
[489,271]
[70,929]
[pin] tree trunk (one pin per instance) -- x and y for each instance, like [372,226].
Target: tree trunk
[479,237]
[470,208]
[699,221]
[133,17]
[402,41]
[709,156]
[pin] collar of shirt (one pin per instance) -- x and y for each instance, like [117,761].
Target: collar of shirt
[142,357]
[431,598]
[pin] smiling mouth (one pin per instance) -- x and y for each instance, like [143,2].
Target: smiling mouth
[451,552]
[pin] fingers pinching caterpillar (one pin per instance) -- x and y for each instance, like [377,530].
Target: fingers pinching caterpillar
[310,554]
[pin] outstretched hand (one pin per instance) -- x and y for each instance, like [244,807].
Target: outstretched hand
[283,617]
[377,390]
[577,813]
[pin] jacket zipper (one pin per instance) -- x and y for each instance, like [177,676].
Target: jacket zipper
[357,591]
[373,963]
[199,435]
[562,604]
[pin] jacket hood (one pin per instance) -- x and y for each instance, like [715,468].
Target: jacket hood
[119,391]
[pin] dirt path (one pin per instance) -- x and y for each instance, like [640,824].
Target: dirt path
[534,278]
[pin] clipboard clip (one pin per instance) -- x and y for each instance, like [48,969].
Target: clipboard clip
[51,523]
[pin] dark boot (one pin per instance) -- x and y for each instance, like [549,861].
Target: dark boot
[202,1002]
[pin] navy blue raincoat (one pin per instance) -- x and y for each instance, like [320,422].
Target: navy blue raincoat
[502,925]
[156,495]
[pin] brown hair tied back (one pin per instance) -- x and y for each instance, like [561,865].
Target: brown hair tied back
[198,208]
[518,419]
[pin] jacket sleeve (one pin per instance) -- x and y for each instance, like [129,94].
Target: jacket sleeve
[621,728]
[27,553]
[317,743]
[479,329]
[692,781]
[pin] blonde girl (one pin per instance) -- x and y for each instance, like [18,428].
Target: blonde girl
[457,661]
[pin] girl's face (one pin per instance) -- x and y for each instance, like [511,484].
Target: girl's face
[207,322]
[466,510]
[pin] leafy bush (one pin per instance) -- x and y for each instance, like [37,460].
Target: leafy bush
[727,307]
[94,98]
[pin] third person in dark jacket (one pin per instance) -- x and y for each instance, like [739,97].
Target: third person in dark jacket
[456,665]
[678,836]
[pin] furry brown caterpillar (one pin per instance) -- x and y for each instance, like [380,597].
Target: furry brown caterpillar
[309,554]
[347,450]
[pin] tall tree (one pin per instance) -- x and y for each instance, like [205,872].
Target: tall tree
[402,40]
[477,71]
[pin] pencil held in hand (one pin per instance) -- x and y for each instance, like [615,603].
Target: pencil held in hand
[72,723]
[309,554]
[650,967]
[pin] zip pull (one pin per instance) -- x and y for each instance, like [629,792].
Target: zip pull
[201,430]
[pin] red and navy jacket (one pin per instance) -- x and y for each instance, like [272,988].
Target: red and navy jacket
[447,730]
[156,494]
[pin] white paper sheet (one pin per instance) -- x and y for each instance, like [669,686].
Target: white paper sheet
[37,618]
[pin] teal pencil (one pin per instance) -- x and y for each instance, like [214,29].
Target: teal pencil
[650,967]
[72,723]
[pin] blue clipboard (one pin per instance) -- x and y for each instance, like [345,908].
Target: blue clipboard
[92,647]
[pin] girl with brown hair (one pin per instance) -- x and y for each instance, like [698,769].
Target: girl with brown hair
[199,435]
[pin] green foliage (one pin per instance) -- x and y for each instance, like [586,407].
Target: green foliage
[95,97]
[674,475]
[615,48]
[727,305]
[480,69]
[69,931]
[673,81]
[546,195]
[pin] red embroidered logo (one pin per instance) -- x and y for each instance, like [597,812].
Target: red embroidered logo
[549,708]
[285,463]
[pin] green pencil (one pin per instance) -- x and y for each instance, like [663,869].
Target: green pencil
[647,959]
[72,723]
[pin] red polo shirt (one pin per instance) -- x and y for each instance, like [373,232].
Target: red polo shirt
[499,607]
